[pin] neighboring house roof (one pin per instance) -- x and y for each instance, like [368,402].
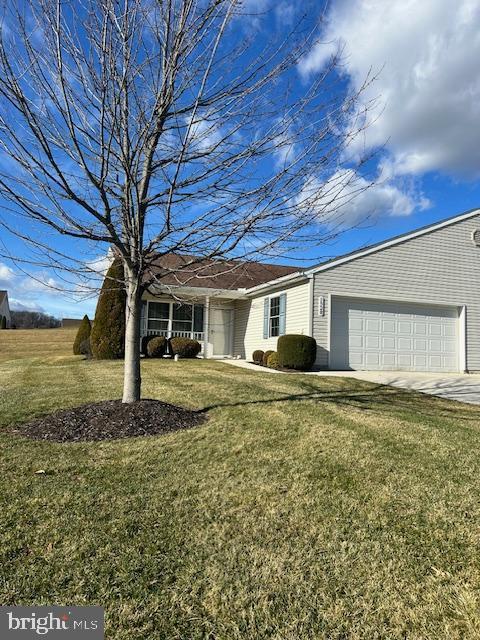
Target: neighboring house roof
[175,269]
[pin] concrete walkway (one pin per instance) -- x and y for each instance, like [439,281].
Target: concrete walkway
[454,386]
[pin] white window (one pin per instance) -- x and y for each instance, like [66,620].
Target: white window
[274,318]
[178,319]
[158,314]
[188,317]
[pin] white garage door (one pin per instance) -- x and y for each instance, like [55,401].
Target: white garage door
[377,335]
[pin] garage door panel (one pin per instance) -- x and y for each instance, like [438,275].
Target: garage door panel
[419,344]
[404,344]
[420,329]
[388,343]
[405,360]
[450,363]
[388,326]
[435,346]
[368,334]
[372,358]
[420,361]
[373,325]
[355,324]
[356,358]
[356,341]
[388,360]
[404,328]
[449,347]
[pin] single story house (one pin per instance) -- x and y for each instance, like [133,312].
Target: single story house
[5,308]
[409,303]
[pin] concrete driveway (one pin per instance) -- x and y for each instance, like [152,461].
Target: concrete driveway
[454,386]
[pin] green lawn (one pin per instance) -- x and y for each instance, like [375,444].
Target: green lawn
[306,507]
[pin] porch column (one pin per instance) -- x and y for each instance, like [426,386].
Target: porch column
[170,320]
[206,319]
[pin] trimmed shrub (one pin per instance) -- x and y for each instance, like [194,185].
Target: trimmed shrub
[83,334]
[3,322]
[272,362]
[296,352]
[156,347]
[185,347]
[85,348]
[266,355]
[108,332]
[144,345]
[257,356]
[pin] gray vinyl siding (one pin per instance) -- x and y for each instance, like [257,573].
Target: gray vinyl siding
[441,267]
[248,332]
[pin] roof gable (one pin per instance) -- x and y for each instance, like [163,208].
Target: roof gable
[385,244]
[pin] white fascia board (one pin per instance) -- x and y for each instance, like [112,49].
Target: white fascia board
[390,243]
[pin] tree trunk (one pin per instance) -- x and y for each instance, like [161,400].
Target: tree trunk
[132,379]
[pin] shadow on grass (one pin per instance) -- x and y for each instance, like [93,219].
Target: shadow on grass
[380,398]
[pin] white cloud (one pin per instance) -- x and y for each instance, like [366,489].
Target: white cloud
[348,199]
[285,13]
[100,264]
[40,282]
[426,54]
[6,275]
[43,292]
[204,135]
[25,305]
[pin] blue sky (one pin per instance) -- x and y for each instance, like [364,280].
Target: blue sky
[427,94]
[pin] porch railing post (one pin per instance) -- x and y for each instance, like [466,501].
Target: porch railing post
[206,320]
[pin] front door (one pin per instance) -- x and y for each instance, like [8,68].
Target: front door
[220,329]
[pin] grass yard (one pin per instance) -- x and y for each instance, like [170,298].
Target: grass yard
[305,507]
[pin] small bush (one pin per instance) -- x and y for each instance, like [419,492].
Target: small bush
[266,355]
[257,356]
[156,347]
[296,352]
[185,347]
[143,345]
[272,362]
[83,334]
[85,349]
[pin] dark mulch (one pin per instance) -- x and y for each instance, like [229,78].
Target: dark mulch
[110,420]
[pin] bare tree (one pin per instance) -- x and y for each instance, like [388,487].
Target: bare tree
[161,126]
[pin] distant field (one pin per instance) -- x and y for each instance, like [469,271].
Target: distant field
[23,343]
[305,508]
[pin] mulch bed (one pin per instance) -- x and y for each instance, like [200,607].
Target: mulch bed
[110,420]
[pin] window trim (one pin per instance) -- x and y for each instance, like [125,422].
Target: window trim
[271,317]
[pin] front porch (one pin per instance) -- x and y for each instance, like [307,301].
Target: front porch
[209,321]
